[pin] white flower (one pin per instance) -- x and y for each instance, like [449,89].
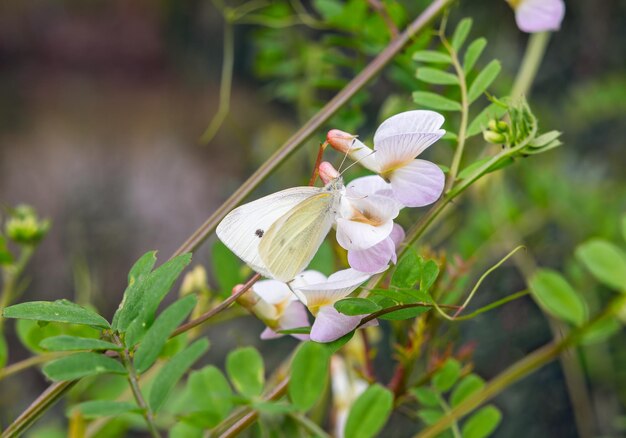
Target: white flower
[538,15]
[397,143]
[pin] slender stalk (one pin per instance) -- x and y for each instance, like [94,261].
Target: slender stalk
[535,50]
[458,152]
[225,84]
[250,416]
[134,385]
[493,305]
[214,311]
[517,371]
[30,362]
[456,432]
[11,276]
[309,425]
[315,123]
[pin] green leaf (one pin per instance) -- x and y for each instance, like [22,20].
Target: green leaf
[158,333]
[185,430]
[482,423]
[473,52]
[81,365]
[435,76]
[460,33]
[57,311]
[447,375]
[544,139]
[426,396]
[402,314]
[131,302]
[483,80]
[173,371]
[309,375]
[435,101]
[624,226]
[246,371]
[154,289]
[208,397]
[430,272]
[273,408]
[430,416]
[466,387]
[605,261]
[491,111]
[601,330]
[335,345]
[356,306]
[554,295]
[369,413]
[408,270]
[71,343]
[432,56]
[105,408]
[225,267]
[6,258]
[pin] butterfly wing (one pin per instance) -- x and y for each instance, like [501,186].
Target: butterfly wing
[290,243]
[246,226]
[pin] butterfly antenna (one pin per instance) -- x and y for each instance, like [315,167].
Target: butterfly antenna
[357,162]
[345,156]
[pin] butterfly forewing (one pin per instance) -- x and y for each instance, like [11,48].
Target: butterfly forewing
[246,226]
[290,243]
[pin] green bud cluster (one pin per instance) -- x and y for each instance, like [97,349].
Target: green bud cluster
[25,227]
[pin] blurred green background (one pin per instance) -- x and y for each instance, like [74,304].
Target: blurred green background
[103,103]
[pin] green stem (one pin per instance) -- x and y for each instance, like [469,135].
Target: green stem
[134,385]
[11,276]
[517,371]
[225,84]
[493,305]
[458,152]
[31,361]
[535,50]
[456,432]
[309,425]
[315,123]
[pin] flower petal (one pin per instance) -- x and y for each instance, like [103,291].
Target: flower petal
[338,286]
[395,150]
[364,155]
[397,235]
[539,15]
[330,325]
[272,291]
[409,121]
[418,183]
[352,235]
[373,259]
[370,185]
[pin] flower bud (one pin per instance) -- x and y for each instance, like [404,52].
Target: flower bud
[340,140]
[494,137]
[25,227]
[252,302]
[327,172]
[195,282]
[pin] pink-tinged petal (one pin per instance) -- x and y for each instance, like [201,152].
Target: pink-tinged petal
[295,316]
[353,235]
[370,185]
[364,155]
[327,172]
[272,291]
[539,15]
[397,235]
[373,259]
[395,150]
[338,286]
[418,183]
[268,333]
[330,325]
[409,121]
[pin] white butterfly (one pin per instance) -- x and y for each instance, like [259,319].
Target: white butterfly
[279,234]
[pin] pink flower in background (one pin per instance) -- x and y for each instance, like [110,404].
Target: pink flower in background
[320,294]
[397,143]
[538,15]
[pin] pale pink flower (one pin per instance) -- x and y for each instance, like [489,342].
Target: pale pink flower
[397,143]
[321,294]
[538,15]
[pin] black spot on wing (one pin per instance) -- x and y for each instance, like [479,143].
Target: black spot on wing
[259,233]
